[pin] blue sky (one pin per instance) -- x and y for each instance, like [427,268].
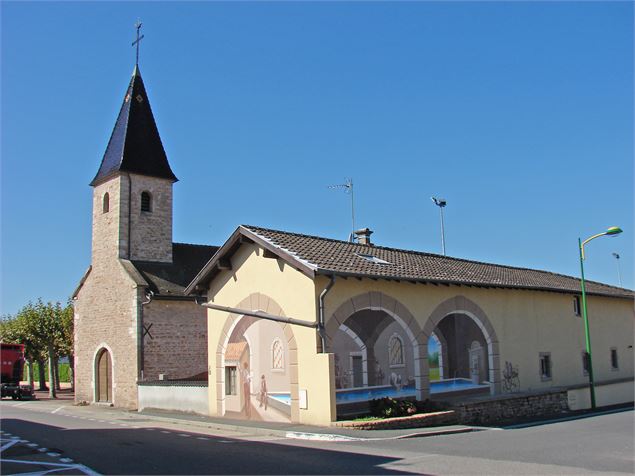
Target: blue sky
[519,114]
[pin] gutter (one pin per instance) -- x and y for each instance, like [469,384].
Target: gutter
[140,329]
[321,327]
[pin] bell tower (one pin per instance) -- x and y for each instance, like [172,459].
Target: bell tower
[132,190]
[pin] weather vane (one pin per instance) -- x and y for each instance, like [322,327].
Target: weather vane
[137,42]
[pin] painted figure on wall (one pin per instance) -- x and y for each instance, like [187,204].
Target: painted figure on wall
[263,392]
[257,347]
[246,378]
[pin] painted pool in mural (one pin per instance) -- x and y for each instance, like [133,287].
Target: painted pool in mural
[363,394]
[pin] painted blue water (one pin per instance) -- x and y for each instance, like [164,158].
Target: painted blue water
[281,397]
[369,393]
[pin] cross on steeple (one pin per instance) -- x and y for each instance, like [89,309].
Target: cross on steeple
[138,40]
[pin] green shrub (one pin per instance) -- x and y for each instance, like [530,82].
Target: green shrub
[389,407]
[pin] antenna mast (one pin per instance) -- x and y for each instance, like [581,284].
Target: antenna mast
[348,188]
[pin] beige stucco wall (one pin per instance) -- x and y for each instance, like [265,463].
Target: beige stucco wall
[274,284]
[525,322]
[517,324]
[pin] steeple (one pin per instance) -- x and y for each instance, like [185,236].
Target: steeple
[135,145]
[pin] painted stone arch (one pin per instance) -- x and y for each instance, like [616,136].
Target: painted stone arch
[103,374]
[377,301]
[238,322]
[463,306]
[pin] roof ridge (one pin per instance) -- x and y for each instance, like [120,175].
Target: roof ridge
[195,244]
[435,255]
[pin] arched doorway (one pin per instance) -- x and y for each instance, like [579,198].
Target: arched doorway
[465,346]
[379,351]
[103,390]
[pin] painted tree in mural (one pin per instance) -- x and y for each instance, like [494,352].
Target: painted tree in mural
[46,330]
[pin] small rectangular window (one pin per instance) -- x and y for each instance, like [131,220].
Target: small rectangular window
[545,366]
[614,362]
[230,381]
[585,362]
[576,305]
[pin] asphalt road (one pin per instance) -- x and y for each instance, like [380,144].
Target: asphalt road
[114,442]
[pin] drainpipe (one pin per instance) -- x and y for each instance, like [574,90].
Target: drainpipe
[140,329]
[321,326]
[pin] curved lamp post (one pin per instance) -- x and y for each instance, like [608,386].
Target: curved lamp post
[612,231]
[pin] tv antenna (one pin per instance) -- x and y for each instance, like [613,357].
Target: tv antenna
[347,186]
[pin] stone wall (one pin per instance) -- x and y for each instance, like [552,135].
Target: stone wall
[151,236]
[178,346]
[512,408]
[105,318]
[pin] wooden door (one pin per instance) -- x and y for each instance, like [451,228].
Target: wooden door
[104,377]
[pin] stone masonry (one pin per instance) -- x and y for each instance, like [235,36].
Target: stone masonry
[178,347]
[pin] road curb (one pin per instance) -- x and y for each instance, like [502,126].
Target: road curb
[303,435]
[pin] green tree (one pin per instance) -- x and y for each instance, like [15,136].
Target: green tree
[46,329]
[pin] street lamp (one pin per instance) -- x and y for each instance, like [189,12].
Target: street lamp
[612,231]
[441,202]
[619,275]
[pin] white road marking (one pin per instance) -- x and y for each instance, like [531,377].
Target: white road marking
[57,409]
[202,438]
[163,431]
[226,441]
[149,429]
[8,445]
[32,445]
[20,404]
[53,454]
[184,435]
[66,460]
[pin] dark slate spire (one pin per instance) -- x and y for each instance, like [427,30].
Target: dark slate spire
[135,145]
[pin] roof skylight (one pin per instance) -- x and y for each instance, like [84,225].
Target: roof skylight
[372,259]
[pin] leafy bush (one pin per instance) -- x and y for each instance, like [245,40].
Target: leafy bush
[389,407]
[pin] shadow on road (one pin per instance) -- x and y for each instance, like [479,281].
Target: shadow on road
[162,451]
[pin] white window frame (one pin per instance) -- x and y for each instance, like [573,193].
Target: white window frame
[543,376]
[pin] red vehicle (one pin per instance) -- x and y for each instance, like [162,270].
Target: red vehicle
[12,357]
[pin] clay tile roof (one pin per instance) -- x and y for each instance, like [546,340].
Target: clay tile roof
[235,350]
[328,256]
[170,279]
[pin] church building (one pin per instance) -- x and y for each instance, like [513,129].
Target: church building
[132,320]
[283,326]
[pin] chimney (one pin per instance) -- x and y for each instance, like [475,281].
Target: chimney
[363,236]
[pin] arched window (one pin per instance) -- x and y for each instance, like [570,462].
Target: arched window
[146,202]
[395,351]
[106,203]
[277,355]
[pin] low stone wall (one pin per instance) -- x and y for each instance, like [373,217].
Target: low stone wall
[510,408]
[181,396]
[420,420]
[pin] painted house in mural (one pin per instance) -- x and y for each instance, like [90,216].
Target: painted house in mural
[365,316]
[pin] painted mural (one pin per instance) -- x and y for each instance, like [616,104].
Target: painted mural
[373,358]
[257,376]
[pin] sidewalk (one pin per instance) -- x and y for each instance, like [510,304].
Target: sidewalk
[299,431]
